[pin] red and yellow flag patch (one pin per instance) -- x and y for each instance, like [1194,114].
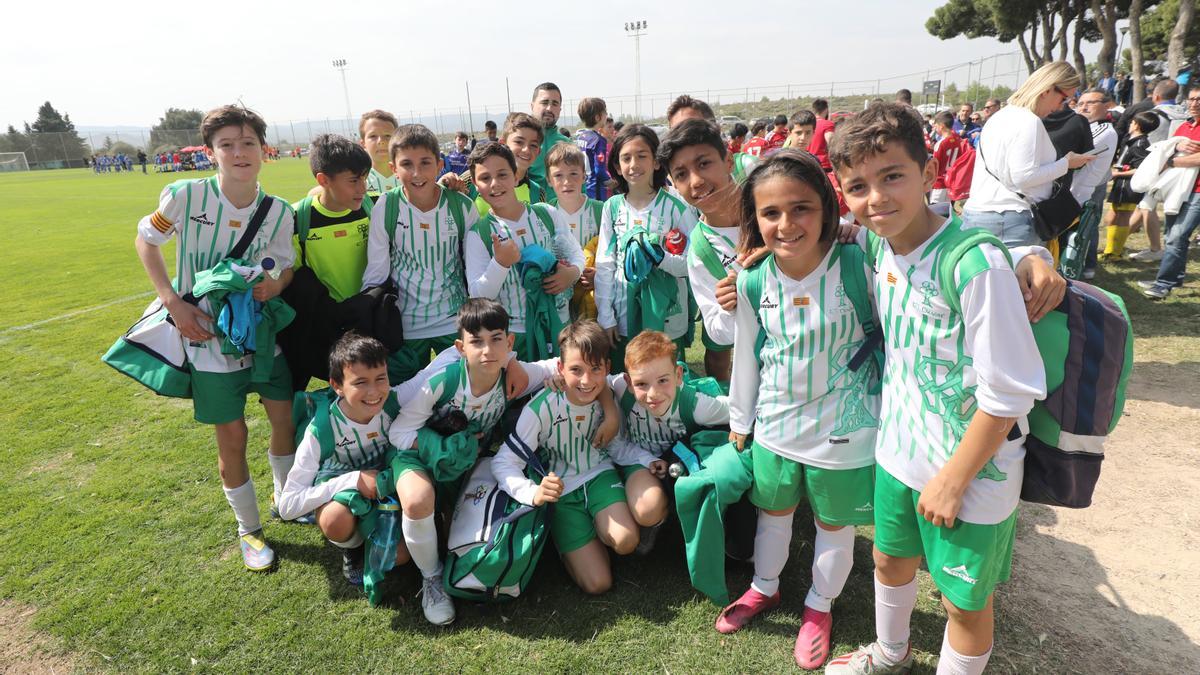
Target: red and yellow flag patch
[891,278]
[160,222]
[800,302]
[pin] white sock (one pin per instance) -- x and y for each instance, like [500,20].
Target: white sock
[245,507]
[280,466]
[772,538]
[354,541]
[421,537]
[893,615]
[833,556]
[952,663]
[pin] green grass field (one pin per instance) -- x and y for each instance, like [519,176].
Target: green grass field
[116,530]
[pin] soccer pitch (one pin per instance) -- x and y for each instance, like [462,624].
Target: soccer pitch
[117,533]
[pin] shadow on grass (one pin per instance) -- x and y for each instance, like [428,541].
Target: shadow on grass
[1171,383]
[1061,593]
[1174,317]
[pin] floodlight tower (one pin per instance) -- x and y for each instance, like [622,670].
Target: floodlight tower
[635,30]
[340,65]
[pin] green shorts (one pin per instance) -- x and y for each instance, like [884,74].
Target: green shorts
[837,496]
[408,460]
[218,398]
[414,355]
[573,521]
[966,561]
[708,342]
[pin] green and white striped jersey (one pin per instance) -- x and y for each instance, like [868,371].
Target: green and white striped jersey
[424,258]
[377,183]
[645,437]
[561,433]
[314,481]
[206,227]
[798,393]
[718,322]
[664,213]
[485,410]
[942,367]
[584,223]
[486,278]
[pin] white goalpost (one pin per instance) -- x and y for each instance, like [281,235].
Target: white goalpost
[13,161]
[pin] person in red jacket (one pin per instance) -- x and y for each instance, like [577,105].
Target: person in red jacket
[945,151]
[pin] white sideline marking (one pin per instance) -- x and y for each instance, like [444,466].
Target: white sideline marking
[77,312]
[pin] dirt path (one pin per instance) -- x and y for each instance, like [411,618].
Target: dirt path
[1114,588]
[24,650]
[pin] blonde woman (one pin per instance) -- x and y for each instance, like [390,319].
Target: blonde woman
[1017,157]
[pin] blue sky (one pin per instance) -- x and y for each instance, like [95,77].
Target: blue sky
[124,64]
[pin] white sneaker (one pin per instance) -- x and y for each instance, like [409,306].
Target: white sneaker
[868,660]
[1146,255]
[438,607]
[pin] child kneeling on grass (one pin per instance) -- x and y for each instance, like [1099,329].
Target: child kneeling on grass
[358,421]
[590,511]
[950,449]
[469,378]
[655,417]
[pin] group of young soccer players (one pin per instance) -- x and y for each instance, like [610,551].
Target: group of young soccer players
[573,315]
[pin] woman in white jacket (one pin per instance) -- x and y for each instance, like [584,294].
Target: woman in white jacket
[1017,158]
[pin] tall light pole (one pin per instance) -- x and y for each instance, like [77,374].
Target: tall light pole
[635,30]
[340,64]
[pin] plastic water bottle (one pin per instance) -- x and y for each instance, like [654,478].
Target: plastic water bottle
[270,268]
[381,550]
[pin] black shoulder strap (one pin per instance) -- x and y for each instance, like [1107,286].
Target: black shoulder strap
[256,221]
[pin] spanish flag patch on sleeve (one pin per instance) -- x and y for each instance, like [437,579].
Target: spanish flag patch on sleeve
[160,222]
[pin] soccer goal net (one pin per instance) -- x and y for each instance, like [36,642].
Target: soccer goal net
[13,161]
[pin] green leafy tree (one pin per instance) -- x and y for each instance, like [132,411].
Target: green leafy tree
[177,128]
[53,141]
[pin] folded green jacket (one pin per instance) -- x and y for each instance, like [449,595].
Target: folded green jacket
[217,284]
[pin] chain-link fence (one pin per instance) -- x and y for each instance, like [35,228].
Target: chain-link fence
[973,82]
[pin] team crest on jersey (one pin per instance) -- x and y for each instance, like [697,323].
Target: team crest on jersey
[843,304]
[929,291]
[477,495]
[364,229]
[201,220]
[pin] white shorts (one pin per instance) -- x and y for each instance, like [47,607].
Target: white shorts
[1149,202]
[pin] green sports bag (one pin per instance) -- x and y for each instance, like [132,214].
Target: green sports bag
[495,541]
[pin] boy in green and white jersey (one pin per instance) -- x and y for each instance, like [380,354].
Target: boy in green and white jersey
[699,165]
[566,166]
[957,387]
[375,130]
[467,378]
[494,246]
[420,249]
[335,245]
[523,135]
[656,414]
[209,216]
[590,511]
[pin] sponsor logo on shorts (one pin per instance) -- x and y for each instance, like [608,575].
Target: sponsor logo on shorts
[960,572]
